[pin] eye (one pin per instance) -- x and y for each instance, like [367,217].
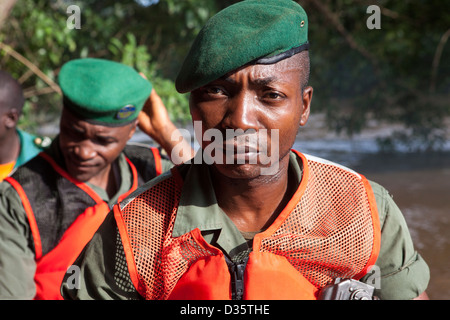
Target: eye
[209,93]
[104,141]
[273,96]
[214,90]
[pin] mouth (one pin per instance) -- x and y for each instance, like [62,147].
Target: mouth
[238,149]
[243,144]
[235,153]
[79,165]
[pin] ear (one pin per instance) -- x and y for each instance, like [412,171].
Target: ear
[306,99]
[11,118]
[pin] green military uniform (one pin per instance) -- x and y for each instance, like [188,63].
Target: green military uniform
[404,274]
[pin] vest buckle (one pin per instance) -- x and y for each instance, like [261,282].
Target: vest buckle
[237,270]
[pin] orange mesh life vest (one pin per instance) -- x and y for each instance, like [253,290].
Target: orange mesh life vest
[329,229]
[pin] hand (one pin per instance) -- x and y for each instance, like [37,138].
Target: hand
[154,119]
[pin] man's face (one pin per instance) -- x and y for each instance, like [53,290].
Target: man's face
[89,149]
[253,98]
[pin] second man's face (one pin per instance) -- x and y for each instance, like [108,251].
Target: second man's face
[88,149]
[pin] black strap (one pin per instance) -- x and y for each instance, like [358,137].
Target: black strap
[281,56]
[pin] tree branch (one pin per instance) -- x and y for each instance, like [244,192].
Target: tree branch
[437,60]
[5,8]
[31,92]
[30,66]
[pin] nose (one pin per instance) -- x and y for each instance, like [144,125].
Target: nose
[84,150]
[242,112]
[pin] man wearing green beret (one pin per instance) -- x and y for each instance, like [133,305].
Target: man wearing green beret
[261,221]
[16,146]
[51,206]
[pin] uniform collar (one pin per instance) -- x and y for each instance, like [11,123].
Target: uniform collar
[198,208]
[28,149]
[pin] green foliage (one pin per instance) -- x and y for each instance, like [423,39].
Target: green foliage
[131,54]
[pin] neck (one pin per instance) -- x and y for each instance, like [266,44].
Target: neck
[106,180]
[253,204]
[9,147]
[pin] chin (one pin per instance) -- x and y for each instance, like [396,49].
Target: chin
[81,175]
[244,171]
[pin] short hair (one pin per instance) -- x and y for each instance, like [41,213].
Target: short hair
[302,61]
[11,94]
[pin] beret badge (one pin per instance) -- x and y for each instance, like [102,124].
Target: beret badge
[125,112]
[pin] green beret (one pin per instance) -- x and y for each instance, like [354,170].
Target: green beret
[102,91]
[248,32]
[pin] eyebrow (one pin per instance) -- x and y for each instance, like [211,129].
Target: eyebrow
[227,79]
[107,138]
[258,81]
[100,136]
[266,81]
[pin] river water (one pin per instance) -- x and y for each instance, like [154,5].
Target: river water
[419,183]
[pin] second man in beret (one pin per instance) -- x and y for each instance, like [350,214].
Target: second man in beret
[51,206]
